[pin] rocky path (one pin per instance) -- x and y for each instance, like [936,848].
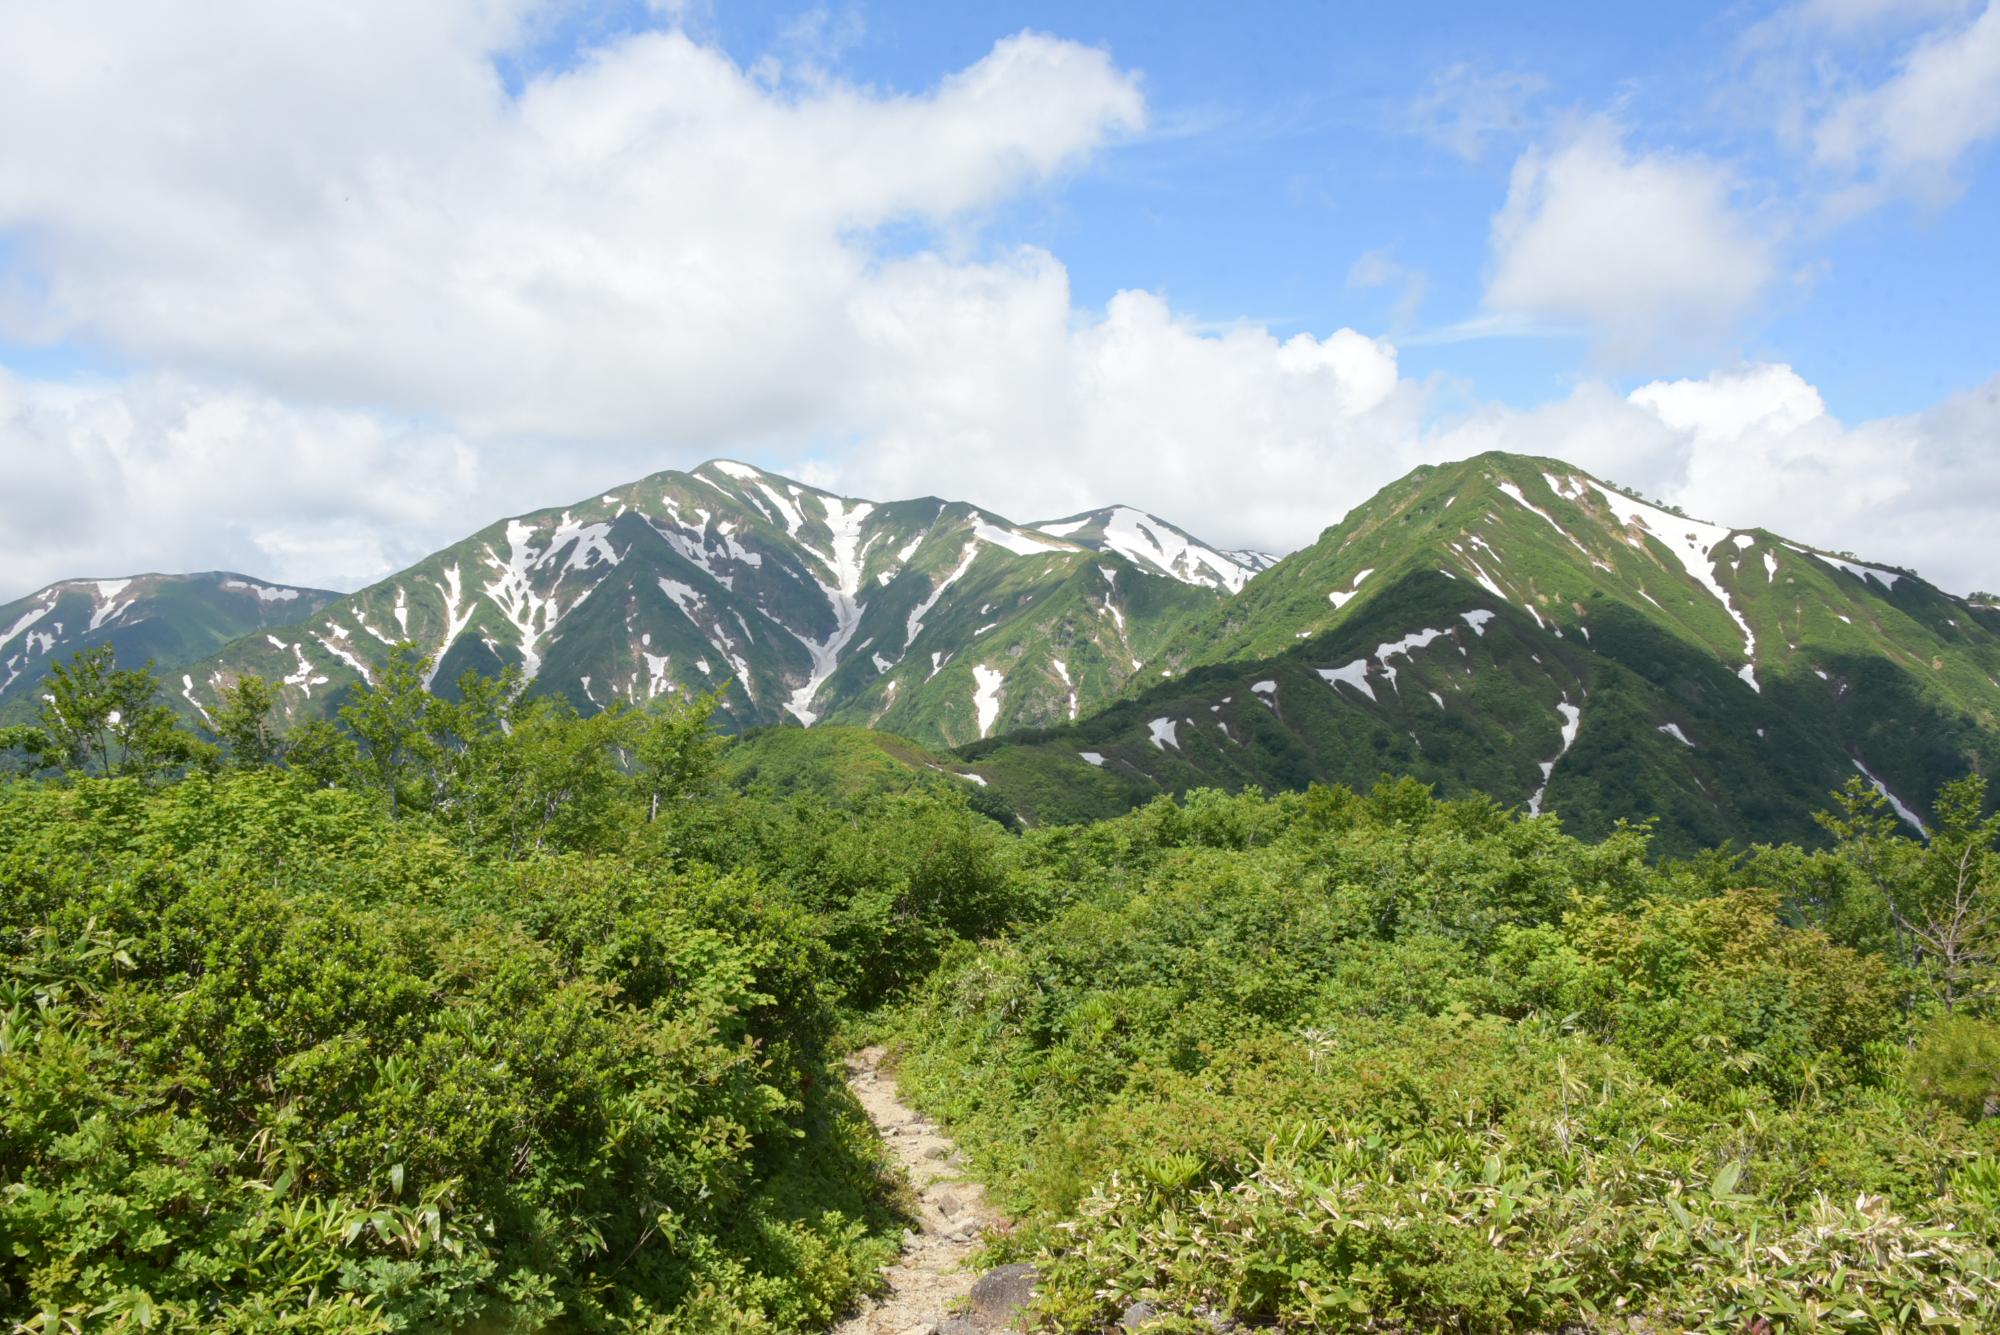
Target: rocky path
[931,1290]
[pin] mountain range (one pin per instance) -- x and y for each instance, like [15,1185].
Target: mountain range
[173,620]
[1505,624]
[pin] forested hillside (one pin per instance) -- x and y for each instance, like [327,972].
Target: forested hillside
[478,1014]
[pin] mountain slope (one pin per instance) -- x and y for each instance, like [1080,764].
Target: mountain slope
[1513,626]
[930,618]
[171,619]
[1154,545]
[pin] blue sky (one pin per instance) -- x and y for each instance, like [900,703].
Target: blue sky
[305,294]
[1293,139]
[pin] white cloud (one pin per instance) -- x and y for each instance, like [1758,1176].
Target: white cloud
[1755,446]
[1912,129]
[1464,106]
[656,256]
[989,388]
[158,473]
[345,204]
[1647,250]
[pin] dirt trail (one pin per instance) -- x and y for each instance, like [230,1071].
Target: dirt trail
[930,1280]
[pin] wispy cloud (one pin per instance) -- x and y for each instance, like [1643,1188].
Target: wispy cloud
[1467,107]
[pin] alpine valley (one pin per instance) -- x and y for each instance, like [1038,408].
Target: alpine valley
[1506,625]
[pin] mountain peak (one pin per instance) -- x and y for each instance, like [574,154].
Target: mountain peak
[1153,544]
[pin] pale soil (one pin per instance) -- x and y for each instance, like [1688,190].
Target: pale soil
[930,1280]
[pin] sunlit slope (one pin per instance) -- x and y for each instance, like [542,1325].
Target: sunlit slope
[926,617]
[1512,626]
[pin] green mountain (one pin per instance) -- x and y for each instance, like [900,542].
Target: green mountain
[927,618]
[1504,625]
[1513,626]
[173,620]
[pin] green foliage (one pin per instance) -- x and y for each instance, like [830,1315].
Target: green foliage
[1956,1062]
[478,1013]
[268,1061]
[1378,1062]
[243,722]
[109,720]
[1943,895]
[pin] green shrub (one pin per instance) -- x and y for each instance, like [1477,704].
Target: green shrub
[1956,1063]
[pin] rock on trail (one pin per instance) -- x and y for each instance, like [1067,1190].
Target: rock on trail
[931,1292]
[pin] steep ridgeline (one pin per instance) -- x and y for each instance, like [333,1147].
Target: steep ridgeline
[927,618]
[171,619]
[1514,626]
[1152,544]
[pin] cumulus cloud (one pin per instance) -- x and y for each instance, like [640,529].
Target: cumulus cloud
[992,389]
[1755,446]
[345,203]
[515,297]
[1649,251]
[159,473]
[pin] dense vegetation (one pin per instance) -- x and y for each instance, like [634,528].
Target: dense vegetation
[1389,1063]
[478,1015]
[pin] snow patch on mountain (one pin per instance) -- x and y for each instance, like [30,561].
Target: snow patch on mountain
[1151,543]
[27,619]
[1161,733]
[110,608]
[1354,674]
[1339,598]
[344,653]
[513,593]
[915,625]
[1013,540]
[1416,639]
[986,695]
[1909,817]
[591,543]
[1510,489]
[1886,578]
[844,523]
[1572,719]
[1062,670]
[1693,543]
[656,674]
[265,593]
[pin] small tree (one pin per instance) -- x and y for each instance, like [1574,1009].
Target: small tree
[98,716]
[1943,895]
[243,723]
[390,719]
[675,751]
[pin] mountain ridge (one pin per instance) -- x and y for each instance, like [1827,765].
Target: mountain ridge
[796,602]
[171,619]
[1601,655]
[1506,624]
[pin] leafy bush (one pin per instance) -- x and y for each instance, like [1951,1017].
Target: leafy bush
[322,1072]
[1341,1062]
